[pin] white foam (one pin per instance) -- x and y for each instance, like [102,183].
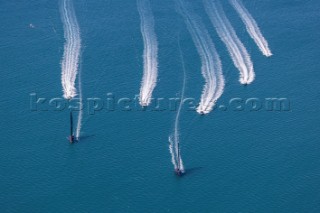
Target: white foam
[150,53]
[174,140]
[72,48]
[80,115]
[252,27]
[237,51]
[211,65]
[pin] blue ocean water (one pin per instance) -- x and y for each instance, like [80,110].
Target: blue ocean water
[236,161]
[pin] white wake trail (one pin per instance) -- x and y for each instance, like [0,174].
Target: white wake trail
[172,152]
[174,141]
[80,115]
[252,27]
[237,51]
[72,47]
[150,52]
[211,65]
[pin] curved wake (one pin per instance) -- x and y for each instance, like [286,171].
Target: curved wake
[174,139]
[72,48]
[237,51]
[210,60]
[150,52]
[252,27]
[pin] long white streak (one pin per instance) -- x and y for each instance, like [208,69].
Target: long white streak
[211,65]
[175,140]
[72,48]
[237,51]
[80,115]
[252,27]
[172,152]
[150,53]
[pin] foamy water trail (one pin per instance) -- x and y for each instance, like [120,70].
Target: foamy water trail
[252,27]
[237,51]
[211,65]
[172,152]
[80,115]
[72,48]
[150,52]
[174,140]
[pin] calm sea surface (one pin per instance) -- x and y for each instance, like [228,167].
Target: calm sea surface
[236,161]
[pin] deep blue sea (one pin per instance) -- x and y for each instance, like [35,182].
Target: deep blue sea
[236,161]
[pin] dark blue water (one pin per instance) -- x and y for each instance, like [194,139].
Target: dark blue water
[265,161]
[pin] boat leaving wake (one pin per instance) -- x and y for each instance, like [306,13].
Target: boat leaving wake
[174,139]
[237,51]
[150,53]
[80,115]
[70,60]
[72,48]
[252,27]
[211,64]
